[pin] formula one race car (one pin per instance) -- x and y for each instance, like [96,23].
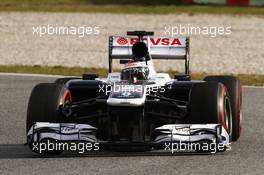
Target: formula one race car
[137,108]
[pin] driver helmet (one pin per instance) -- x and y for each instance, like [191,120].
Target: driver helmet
[135,71]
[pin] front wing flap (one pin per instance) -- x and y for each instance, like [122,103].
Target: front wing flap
[171,133]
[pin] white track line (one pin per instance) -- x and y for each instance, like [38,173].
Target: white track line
[256,87]
[60,76]
[32,75]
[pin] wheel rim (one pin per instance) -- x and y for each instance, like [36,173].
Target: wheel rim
[226,112]
[228,115]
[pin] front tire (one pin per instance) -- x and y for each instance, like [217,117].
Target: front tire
[233,86]
[210,104]
[43,106]
[43,103]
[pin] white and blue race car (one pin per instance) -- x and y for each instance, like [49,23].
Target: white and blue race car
[137,107]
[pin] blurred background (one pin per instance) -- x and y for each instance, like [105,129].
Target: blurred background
[240,52]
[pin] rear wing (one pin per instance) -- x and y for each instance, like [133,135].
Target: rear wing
[159,48]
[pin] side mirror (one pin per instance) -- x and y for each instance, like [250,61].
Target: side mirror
[185,77]
[89,76]
[123,61]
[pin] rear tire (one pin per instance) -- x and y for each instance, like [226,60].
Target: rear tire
[233,86]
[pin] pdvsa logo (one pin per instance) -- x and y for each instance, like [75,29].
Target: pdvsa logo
[153,41]
[159,41]
[122,41]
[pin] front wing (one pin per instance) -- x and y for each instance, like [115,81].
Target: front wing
[163,136]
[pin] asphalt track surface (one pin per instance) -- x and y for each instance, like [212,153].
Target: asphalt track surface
[246,156]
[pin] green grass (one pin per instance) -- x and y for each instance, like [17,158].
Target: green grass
[256,80]
[127,6]
[56,70]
